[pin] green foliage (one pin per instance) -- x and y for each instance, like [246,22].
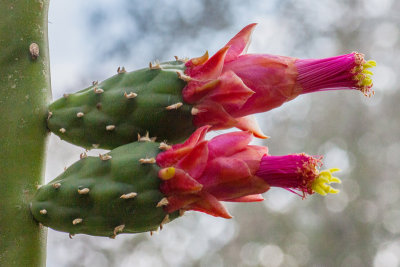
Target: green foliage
[103,196]
[115,111]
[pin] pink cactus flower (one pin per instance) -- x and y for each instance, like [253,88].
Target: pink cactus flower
[231,85]
[198,174]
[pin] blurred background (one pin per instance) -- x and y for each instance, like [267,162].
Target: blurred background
[359,227]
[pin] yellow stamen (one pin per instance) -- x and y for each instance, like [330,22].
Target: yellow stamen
[369,64]
[321,184]
[167,173]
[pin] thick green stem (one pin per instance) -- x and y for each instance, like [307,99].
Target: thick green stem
[24,94]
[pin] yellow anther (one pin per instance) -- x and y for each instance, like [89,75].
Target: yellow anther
[321,184]
[167,173]
[369,64]
[368,72]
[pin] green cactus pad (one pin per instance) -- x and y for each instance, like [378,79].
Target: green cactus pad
[107,195]
[115,111]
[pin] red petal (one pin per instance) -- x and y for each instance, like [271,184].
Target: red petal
[240,42]
[249,123]
[195,162]
[249,198]
[182,183]
[209,70]
[173,155]
[176,202]
[211,113]
[210,205]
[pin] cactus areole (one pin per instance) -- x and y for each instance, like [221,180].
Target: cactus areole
[143,185]
[170,100]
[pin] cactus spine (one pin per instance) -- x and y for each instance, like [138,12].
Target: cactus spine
[24,93]
[114,193]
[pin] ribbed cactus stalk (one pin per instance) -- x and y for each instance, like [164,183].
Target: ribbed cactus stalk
[141,186]
[24,94]
[170,100]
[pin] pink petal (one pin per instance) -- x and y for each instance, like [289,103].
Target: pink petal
[249,123]
[224,170]
[230,92]
[210,205]
[240,42]
[228,144]
[249,198]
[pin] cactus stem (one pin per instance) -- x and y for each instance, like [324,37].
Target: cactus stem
[83,191]
[121,70]
[151,233]
[99,106]
[110,127]
[156,65]
[77,221]
[162,202]
[62,130]
[43,211]
[129,195]
[104,157]
[80,114]
[130,95]
[164,146]
[95,145]
[65,95]
[49,115]
[34,50]
[147,161]
[98,90]
[183,76]
[70,235]
[95,83]
[174,106]
[118,229]
[56,185]
[83,155]
[146,138]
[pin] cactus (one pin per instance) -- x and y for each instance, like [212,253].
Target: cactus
[138,187]
[170,100]
[106,195]
[24,95]
[117,110]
